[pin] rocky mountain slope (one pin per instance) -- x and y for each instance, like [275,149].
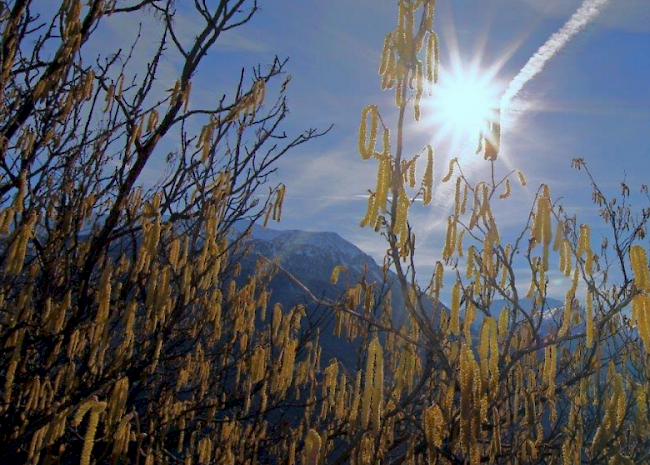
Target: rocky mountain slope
[310,257]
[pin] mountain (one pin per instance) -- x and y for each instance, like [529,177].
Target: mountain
[310,257]
[313,255]
[553,309]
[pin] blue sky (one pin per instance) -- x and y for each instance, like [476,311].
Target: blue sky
[592,101]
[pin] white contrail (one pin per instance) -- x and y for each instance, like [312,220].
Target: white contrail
[587,12]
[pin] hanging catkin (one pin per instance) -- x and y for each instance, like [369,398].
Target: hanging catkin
[89,439]
[373,387]
[433,424]
[639,262]
[368,138]
[454,323]
[312,447]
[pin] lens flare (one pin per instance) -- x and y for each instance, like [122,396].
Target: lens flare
[465,104]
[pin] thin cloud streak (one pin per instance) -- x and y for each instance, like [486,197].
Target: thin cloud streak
[588,11]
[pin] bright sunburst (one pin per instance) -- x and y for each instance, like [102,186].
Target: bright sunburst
[464,103]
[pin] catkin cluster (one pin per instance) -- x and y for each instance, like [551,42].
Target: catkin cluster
[401,69]
[372,400]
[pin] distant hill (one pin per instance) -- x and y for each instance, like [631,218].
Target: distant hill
[311,257]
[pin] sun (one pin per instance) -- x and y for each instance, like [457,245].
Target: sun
[465,103]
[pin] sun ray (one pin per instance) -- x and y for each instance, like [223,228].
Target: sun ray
[465,103]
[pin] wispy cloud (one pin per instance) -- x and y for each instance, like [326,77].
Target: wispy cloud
[622,15]
[329,177]
[588,11]
[234,41]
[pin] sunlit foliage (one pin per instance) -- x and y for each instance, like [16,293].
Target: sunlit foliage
[129,334]
[504,375]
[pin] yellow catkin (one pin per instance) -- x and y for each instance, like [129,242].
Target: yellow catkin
[463,204]
[378,390]
[639,262]
[279,200]
[117,400]
[490,240]
[438,275]
[589,319]
[383,184]
[36,445]
[419,90]
[103,300]
[546,230]
[494,351]
[450,171]
[371,212]
[89,439]
[540,217]
[412,173]
[288,360]
[356,397]
[373,387]
[340,404]
[466,380]
[401,225]
[205,450]
[470,314]
[642,407]
[568,264]
[505,269]
[152,121]
[454,323]
[450,239]
[643,319]
[15,259]
[433,425]
[459,243]
[568,303]
[485,212]
[427,181]
[432,62]
[368,139]
[563,257]
[550,366]
[389,75]
[507,191]
[522,178]
[20,195]
[504,321]
[34,390]
[385,145]
[258,364]
[436,281]
[640,314]
[334,278]
[17,341]
[483,349]
[469,272]
[312,447]
[256,93]
[329,387]
[457,199]
[6,219]
[584,241]
[385,55]
[559,236]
